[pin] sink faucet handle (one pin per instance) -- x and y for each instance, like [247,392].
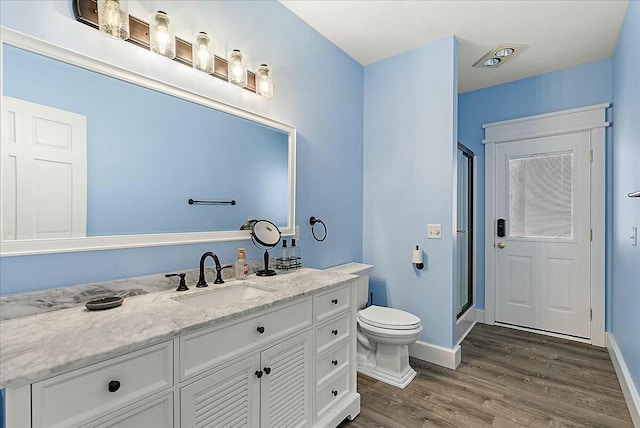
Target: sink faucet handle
[183,284]
[219,273]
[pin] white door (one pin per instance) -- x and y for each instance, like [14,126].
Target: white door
[44,171]
[543,260]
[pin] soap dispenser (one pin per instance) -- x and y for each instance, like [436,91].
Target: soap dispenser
[242,267]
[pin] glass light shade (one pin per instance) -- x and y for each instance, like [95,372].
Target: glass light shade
[237,68]
[202,53]
[113,18]
[264,81]
[162,36]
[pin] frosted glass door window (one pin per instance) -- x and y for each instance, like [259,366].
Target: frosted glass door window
[541,196]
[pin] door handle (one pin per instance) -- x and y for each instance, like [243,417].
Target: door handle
[501,245]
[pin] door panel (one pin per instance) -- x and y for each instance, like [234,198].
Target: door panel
[44,171]
[542,264]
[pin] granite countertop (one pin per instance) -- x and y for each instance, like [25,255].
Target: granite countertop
[38,346]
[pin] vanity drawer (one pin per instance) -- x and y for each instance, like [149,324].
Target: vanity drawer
[85,394]
[332,332]
[332,393]
[203,350]
[331,363]
[331,302]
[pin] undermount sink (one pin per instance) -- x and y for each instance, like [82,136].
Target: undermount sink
[223,296]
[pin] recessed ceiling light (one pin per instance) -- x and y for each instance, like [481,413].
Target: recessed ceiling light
[505,52]
[499,55]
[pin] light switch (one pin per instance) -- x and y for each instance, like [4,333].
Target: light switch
[634,236]
[434,231]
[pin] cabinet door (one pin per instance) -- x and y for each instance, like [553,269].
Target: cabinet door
[286,383]
[230,397]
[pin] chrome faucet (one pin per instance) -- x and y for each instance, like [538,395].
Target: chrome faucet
[201,281]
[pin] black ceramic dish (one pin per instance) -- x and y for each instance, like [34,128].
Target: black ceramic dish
[104,303]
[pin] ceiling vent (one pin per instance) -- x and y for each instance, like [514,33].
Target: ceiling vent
[499,55]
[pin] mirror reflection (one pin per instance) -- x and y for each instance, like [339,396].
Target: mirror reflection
[84,154]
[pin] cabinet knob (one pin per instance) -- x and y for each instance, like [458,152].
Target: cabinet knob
[335,393]
[260,329]
[334,332]
[334,362]
[334,301]
[258,374]
[114,385]
[267,370]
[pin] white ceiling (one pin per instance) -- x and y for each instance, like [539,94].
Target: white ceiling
[560,33]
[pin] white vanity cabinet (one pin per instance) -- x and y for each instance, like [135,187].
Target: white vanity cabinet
[291,364]
[271,388]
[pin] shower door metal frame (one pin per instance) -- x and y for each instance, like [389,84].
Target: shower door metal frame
[468,154]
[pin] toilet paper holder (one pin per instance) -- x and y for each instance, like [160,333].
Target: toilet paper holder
[417,258]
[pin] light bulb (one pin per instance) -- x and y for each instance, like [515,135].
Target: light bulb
[113,18]
[162,39]
[264,81]
[237,68]
[202,53]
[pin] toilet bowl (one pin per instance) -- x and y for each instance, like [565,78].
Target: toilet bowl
[384,334]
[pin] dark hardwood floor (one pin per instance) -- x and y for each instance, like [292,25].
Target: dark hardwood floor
[507,378]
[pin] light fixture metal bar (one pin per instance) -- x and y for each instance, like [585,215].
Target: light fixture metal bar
[86,12]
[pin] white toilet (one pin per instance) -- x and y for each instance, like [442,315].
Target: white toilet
[384,334]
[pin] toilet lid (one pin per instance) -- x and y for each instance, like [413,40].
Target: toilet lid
[393,319]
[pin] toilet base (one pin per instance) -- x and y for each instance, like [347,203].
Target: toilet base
[387,363]
[400,382]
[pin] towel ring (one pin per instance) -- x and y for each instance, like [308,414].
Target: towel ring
[313,221]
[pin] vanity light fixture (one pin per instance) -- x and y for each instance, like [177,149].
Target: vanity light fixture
[158,36]
[162,36]
[499,55]
[113,18]
[264,81]
[202,53]
[237,68]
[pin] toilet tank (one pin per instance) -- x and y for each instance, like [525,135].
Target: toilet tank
[362,283]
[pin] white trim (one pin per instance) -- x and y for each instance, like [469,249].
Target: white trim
[489,233]
[629,389]
[474,235]
[592,119]
[17,407]
[556,123]
[480,316]
[45,246]
[449,358]
[598,205]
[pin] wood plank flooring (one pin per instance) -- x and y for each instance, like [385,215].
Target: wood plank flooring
[507,378]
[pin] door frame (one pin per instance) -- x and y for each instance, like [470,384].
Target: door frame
[591,119]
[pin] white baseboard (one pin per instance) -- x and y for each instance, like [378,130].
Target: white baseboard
[629,389]
[480,315]
[449,358]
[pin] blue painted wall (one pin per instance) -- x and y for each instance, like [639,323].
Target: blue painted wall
[625,317]
[410,181]
[573,87]
[318,89]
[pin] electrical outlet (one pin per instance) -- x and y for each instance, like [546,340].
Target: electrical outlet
[634,236]
[297,233]
[434,231]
